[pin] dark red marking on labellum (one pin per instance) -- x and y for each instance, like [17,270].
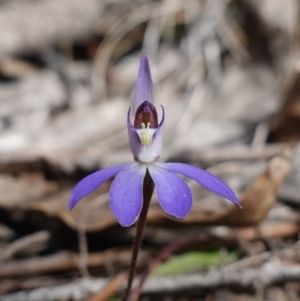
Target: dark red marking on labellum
[146,114]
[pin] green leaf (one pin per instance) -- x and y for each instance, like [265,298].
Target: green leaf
[191,262]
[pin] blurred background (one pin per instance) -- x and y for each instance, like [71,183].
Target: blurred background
[228,75]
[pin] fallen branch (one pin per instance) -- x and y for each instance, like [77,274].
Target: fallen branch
[59,262]
[112,288]
[268,275]
[28,245]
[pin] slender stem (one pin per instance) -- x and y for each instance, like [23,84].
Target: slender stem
[166,252]
[147,194]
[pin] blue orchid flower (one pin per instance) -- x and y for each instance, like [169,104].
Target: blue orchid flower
[145,139]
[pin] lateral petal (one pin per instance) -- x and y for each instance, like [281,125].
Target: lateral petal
[134,139]
[204,178]
[173,193]
[93,181]
[126,195]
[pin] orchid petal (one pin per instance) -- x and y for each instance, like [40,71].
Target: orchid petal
[144,84]
[173,193]
[126,195]
[92,182]
[134,139]
[204,178]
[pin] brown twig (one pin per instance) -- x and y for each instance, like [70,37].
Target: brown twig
[29,244]
[62,261]
[110,289]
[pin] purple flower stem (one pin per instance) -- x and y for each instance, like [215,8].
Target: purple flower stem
[147,194]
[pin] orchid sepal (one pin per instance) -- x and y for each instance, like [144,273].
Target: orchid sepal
[144,85]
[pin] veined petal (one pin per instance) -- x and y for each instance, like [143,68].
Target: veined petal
[92,182]
[126,195]
[146,153]
[205,178]
[144,84]
[173,193]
